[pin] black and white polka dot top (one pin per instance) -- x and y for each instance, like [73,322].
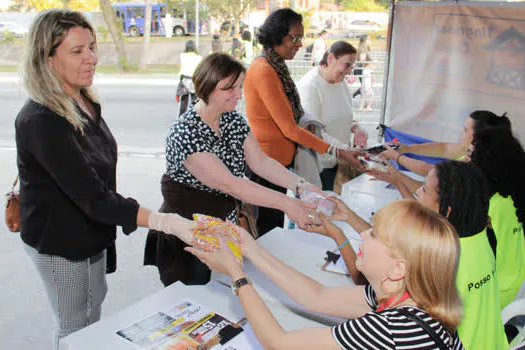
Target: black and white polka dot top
[190,134]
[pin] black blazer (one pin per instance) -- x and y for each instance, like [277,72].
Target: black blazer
[69,206]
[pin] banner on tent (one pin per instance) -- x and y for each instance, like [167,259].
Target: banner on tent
[463,58]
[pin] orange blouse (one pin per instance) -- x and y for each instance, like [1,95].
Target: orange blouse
[270,115]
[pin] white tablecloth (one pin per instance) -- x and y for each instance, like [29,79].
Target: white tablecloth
[366,196]
[300,249]
[218,298]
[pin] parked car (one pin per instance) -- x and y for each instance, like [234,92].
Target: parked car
[225,25]
[359,27]
[14,29]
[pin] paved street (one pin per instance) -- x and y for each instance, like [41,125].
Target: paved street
[139,112]
[139,116]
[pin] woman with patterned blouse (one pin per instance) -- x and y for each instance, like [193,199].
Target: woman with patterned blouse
[207,151]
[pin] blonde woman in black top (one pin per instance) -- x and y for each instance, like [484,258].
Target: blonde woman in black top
[67,161]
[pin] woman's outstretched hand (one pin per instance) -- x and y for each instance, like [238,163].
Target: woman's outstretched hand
[341,211]
[326,227]
[390,174]
[351,157]
[176,225]
[301,212]
[246,241]
[222,260]
[391,153]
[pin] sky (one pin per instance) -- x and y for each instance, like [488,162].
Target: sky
[4,4]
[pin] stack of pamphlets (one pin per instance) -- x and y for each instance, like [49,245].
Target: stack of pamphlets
[185,326]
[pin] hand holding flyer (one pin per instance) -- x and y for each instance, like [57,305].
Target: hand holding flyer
[207,239]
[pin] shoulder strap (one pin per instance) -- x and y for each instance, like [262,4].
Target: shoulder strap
[439,342]
[14,184]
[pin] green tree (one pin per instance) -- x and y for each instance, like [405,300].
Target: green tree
[16,6]
[230,10]
[363,6]
[116,35]
[147,35]
[39,5]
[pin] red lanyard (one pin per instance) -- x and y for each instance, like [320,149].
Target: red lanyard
[387,303]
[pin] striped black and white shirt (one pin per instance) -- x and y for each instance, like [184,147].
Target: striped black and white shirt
[389,329]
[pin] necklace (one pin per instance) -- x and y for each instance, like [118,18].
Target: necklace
[390,300]
[213,123]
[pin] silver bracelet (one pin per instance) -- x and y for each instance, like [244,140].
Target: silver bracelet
[298,185]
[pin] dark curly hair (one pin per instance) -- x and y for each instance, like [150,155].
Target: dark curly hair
[502,159]
[462,188]
[488,120]
[277,26]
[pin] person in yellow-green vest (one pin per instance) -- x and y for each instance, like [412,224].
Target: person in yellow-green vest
[501,158]
[459,192]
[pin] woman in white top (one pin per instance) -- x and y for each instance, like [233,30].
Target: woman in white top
[248,46]
[326,97]
[189,59]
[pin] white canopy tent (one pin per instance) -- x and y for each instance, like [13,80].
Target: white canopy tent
[448,59]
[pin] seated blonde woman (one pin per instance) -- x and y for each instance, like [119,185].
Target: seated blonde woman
[459,192]
[412,280]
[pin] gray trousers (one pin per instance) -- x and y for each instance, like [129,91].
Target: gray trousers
[76,290]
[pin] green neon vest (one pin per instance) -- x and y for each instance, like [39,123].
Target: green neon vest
[510,251]
[481,326]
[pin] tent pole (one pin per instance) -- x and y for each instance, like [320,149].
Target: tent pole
[391,12]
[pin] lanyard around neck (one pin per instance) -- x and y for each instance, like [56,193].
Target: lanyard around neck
[390,300]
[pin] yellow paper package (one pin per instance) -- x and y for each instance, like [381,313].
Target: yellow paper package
[206,239]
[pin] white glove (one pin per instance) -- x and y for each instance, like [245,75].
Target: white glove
[173,224]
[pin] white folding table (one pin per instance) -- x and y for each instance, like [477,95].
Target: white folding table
[102,334]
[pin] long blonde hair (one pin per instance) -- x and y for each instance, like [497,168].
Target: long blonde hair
[430,246]
[46,33]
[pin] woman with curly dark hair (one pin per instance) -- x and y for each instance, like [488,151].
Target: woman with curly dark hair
[501,157]
[274,108]
[458,191]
